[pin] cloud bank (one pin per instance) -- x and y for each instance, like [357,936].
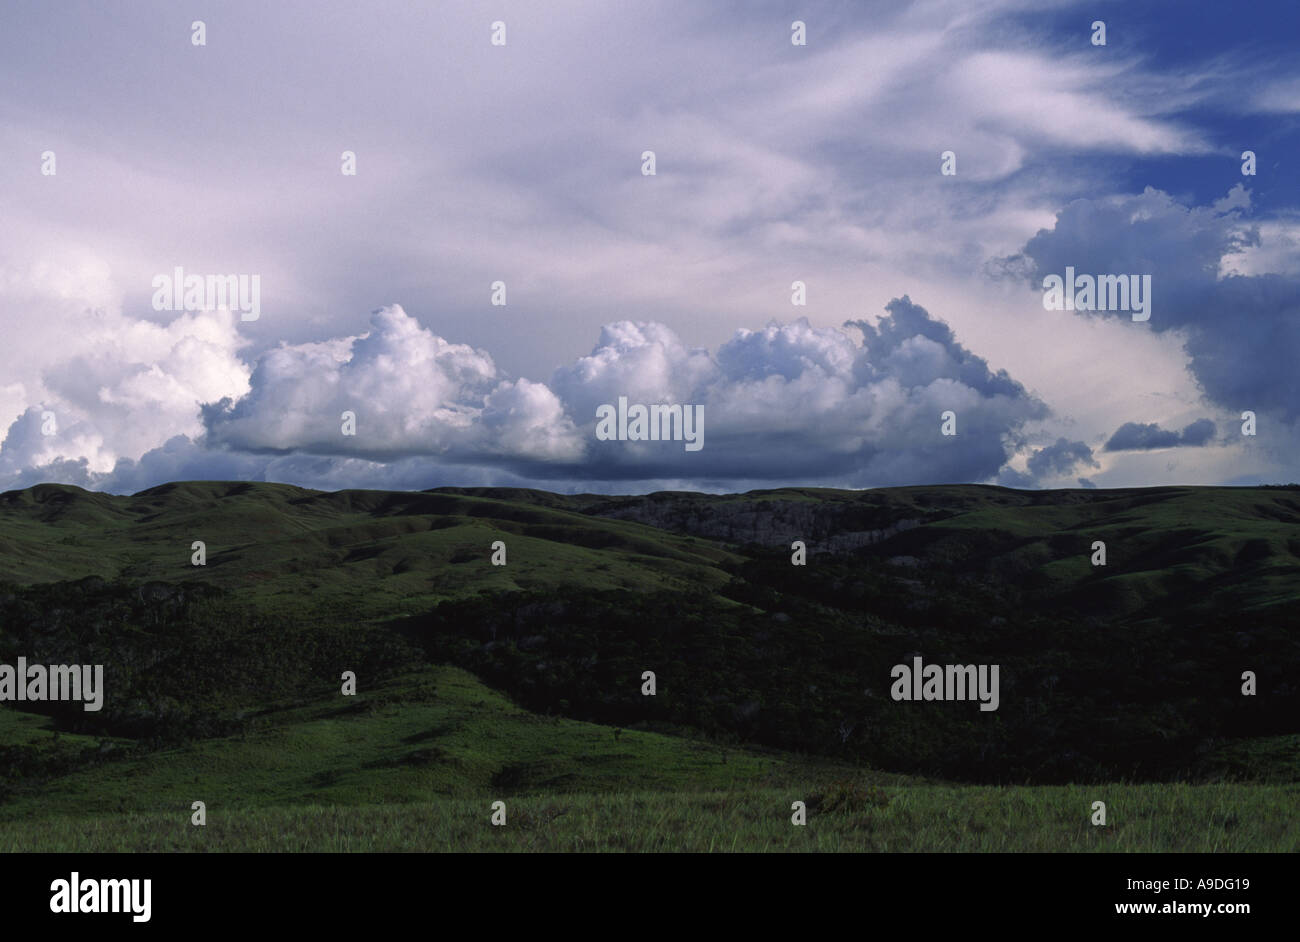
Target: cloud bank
[398,403]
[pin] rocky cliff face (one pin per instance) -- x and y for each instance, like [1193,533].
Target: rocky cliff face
[823,527]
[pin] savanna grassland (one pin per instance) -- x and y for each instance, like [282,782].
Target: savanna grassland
[522,683]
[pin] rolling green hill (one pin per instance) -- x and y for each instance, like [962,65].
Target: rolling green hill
[373,554]
[522,681]
[415,763]
[436,732]
[364,554]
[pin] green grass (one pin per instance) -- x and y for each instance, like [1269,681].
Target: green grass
[369,554]
[917,818]
[415,764]
[1160,542]
[375,554]
[435,733]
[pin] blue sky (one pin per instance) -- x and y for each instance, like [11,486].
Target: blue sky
[775,163]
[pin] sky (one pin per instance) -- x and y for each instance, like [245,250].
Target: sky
[499,155]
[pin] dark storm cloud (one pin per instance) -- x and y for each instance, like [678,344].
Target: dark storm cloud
[1135,436]
[1058,459]
[1242,331]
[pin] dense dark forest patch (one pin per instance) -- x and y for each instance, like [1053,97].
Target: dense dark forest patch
[799,658]
[181,661]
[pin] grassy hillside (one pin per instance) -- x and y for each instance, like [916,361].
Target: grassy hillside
[437,732]
[371,554]
[415,763]
[364,554]
[522,682]
[1237,547]
[1193,547]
